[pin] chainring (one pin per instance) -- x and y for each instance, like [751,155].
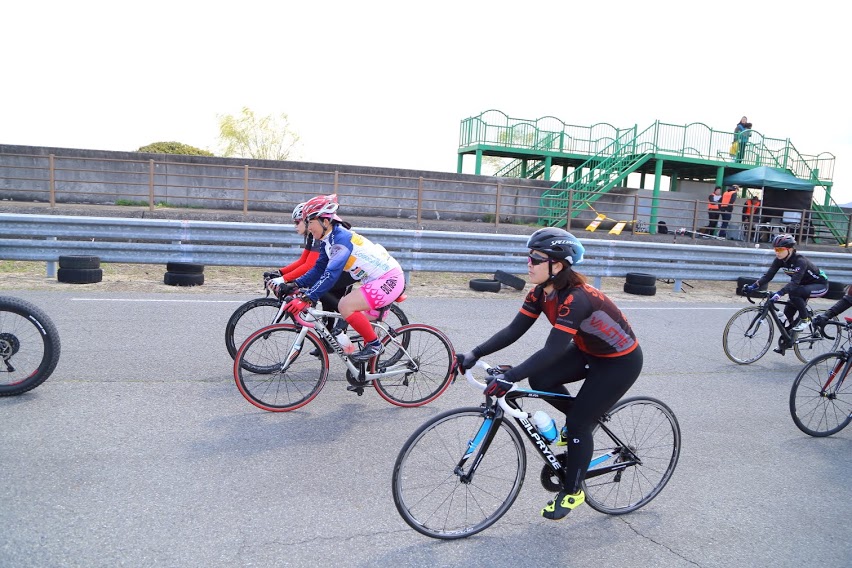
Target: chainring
[550,479]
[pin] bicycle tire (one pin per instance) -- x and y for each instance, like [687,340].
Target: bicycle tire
[816,410]
[29,346]
[247,319]
[651,431]
[427,489]
[429,354]
[738,346]
[281,391]
[813,343]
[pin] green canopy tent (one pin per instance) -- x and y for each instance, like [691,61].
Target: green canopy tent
[785,196]
[764,177]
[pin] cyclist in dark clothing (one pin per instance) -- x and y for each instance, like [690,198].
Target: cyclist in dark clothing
[806,280]
[838,308]
[590,340]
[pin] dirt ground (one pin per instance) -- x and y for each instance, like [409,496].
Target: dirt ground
[123,278]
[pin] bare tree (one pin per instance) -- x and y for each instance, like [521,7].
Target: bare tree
[250,136]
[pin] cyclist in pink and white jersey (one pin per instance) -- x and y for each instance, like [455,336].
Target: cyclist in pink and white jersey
[343,250]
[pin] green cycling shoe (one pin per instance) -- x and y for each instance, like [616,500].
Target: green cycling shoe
[563,504]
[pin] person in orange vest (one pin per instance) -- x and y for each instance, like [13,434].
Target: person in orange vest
[713,209]
[751,215]
[726,206]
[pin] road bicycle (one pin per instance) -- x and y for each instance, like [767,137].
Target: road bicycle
[749,333]
[283,366]
[821,396]
[463,469]
[261,312]
[29,346]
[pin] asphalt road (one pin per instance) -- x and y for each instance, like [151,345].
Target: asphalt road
[140,451]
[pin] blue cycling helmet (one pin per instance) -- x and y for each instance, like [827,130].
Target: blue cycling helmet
[557,243]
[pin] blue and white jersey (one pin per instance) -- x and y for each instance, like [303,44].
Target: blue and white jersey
[345,250]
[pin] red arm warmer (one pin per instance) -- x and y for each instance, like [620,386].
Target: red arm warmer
[307,264]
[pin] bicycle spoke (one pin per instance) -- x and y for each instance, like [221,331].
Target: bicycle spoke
[432,498]
[650,431]
[821,398]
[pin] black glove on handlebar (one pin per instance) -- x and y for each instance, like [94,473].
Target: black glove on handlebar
[498,386]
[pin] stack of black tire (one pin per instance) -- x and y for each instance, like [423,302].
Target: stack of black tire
[79,269]
[184,274]
[745,281]
[641,284]
[496,284]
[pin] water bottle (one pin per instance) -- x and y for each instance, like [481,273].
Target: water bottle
[344,342]
[545,425]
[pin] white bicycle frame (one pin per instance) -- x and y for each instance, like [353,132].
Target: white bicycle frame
[314,316]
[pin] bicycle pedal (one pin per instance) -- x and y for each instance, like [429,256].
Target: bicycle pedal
[357,390]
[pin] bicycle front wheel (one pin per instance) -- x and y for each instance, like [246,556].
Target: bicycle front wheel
[298,372]
[427,357]
[247,319]
[427,484]
[821,397]
[29,346]
[648,430]
[810,344]
[747,337]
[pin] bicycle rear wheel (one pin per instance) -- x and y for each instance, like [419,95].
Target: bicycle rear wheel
[821,399]
[429,358]
[29,346]
[427,488]
[811,344]
[651,432]
[247,319]
[747,337]
[296,375]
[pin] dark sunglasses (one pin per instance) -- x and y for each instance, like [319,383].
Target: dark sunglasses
[536,260]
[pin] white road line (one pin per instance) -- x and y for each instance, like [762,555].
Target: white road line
[152,300]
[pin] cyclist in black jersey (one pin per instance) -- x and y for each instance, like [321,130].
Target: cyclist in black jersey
[838,308]
[806,281]
[590,339]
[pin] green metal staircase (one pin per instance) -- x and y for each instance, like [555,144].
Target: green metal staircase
[531,169]
[604,171]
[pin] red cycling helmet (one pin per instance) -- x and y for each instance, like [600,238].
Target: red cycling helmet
[321,206]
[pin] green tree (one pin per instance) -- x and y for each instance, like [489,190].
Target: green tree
[174,148]
[262,138]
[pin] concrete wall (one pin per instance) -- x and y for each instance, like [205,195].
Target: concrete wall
[99,177]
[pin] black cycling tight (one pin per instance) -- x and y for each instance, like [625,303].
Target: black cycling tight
[607,379]
[799,297]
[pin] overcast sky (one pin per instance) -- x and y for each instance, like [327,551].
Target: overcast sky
[387,83]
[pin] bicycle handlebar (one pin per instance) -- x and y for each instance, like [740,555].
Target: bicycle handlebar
[502,400]
[840,326]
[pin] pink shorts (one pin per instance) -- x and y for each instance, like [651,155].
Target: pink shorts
[383,290]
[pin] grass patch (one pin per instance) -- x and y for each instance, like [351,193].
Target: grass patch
[21,266]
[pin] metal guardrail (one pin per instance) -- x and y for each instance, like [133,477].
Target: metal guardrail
[159,241]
